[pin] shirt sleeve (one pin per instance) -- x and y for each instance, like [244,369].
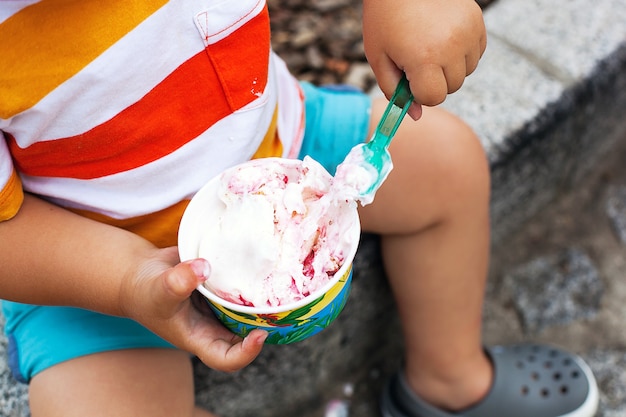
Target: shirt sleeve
[11,193]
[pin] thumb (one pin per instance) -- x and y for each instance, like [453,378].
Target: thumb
[186,276]
[179,282]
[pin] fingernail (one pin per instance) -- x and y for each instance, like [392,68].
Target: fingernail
[259,337]
[201,267]
[415,111]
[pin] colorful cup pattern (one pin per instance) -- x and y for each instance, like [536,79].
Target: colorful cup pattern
[292,325]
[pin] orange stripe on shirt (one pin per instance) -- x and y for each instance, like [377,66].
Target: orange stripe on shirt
[271,145]
[160,228]
[189,101]
[11,197]
[42,40]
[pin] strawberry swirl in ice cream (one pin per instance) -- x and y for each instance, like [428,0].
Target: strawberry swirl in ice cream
[278,232]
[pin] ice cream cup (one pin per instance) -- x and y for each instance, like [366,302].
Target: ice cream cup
[286,323]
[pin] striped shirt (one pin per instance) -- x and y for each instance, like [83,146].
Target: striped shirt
[120,110]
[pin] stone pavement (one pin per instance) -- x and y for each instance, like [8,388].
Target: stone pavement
[549,101]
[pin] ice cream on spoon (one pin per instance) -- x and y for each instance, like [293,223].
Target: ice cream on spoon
[367,165]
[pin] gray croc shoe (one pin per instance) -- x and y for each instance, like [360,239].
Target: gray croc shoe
[529,381]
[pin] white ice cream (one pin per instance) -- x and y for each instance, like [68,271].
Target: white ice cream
[355,177]
[279,230]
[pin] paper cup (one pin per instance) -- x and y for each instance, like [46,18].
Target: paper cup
[286,323]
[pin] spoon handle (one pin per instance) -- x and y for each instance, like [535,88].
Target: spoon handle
[393,115]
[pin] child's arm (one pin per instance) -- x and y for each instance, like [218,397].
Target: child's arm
[436,43]
[51,256]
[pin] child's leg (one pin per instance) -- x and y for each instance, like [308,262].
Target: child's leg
[433,216]
[135,382]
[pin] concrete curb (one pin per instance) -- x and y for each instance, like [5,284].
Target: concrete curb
[547,99]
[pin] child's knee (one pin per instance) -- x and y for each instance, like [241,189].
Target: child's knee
[467,157]
[450,152]
[464,167]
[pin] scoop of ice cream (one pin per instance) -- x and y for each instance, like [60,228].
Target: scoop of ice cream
[279,232]
[355,177]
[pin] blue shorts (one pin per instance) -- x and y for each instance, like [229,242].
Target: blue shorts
[337,118]
[39,337]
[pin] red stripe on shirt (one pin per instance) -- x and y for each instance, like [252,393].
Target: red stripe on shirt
[190,100]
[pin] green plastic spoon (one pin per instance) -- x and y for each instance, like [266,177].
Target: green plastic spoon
[375,152]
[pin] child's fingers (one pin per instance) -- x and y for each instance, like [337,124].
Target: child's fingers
[242,354]
[174,317]
[473,56]
[415,111]
[186,276]
[387,74]
[198,330]
[455,74]
[176,285]
[231,353]
[428,84]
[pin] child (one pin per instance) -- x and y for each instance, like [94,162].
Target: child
[114,113]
